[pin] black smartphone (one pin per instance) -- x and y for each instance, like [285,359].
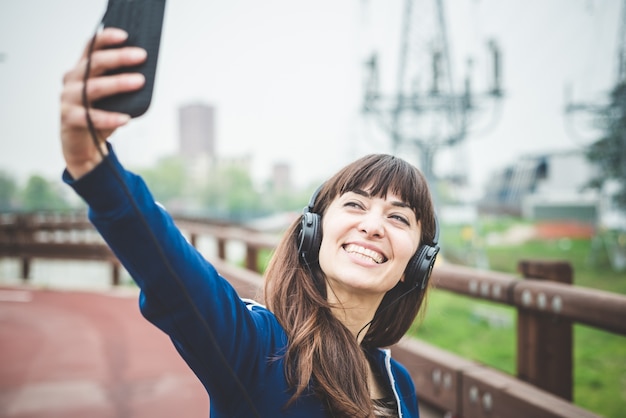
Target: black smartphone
[143,20]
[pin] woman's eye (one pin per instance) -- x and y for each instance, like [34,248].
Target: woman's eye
[354,204]
[401,219]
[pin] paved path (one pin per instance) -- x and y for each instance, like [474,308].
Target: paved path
[87,354]
[77,354]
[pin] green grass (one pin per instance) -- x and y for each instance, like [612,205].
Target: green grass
[600,371]
[476,330]
[485,332]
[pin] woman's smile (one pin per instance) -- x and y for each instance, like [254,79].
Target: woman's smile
[365,253]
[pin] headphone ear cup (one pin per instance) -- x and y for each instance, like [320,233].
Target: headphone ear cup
[421,266]
[310,236]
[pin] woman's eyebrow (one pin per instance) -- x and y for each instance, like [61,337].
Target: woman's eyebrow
[362,193]
[397,203]
[400,204]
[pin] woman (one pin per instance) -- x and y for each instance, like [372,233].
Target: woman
[347,279]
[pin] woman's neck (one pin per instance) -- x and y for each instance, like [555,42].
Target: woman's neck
[355,312]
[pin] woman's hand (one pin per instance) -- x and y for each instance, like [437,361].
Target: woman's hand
[79,150]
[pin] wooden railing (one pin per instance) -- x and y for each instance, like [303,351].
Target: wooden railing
[547,306]
[50,235]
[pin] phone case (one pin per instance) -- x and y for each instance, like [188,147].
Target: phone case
[143,20]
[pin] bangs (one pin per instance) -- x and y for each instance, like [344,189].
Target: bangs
[381,174]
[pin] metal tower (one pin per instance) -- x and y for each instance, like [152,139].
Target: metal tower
[426,112]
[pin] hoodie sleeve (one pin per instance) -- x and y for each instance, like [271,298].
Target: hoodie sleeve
[181,293]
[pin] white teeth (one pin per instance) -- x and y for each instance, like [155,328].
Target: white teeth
[365,253]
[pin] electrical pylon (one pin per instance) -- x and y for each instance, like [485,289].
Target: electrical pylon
[426,112]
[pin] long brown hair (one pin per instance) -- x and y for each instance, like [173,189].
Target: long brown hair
[322,353]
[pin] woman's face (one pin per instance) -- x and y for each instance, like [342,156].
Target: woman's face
[367,243]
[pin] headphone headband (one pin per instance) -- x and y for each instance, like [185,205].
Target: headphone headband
[309,207]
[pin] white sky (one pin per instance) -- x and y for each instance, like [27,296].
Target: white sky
[286,77]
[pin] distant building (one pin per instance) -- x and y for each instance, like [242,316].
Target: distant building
[197,131]
[197,140]
[544,187]
[281,177]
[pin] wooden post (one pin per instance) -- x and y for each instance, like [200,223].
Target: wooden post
[221,248]
[252,258]
[25,235]
[544,341]
[25,268]
[115,273]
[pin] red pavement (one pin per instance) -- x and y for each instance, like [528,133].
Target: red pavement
[87,354]
[78,354]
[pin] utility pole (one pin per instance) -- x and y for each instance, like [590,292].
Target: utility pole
[427,118]
[613,158]
[620,75]
[591,108]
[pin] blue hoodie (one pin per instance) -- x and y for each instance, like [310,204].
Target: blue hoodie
[233,346]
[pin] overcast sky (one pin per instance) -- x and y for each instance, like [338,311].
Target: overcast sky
[286,77]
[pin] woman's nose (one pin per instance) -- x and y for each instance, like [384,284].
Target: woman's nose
[372,225]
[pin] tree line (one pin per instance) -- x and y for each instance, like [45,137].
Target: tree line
[224,192]
[38,194]
[608,153]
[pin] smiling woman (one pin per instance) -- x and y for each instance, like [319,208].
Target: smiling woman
[345,282]
[367,274]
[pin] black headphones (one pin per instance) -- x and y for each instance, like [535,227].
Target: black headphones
[418,269]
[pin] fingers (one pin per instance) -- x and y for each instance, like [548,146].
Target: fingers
[74,117]
[73,110]
[100,87]
[106,60]
[100,84]
[106,38]
[111,59]
[107,53]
